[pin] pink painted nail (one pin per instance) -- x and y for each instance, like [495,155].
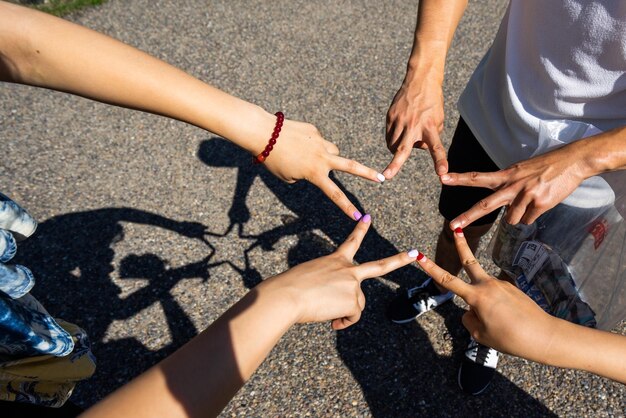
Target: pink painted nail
[357,215]
[366,219]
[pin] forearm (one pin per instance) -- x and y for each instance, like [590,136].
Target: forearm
[200,378]
[577,347]
[437,21]
[41,50]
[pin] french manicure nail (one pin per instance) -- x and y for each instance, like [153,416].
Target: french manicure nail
[420,256]
[367,218]
[413,253]
[357,215]
[459,231]
[380,177]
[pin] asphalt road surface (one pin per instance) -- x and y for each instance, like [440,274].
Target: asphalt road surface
[119,195]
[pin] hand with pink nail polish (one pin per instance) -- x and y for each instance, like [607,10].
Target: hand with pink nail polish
[329,287]
[228,352]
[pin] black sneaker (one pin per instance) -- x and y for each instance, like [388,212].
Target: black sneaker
[477,368]
[416,301]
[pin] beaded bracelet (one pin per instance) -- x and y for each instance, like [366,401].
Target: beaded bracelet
[270,145]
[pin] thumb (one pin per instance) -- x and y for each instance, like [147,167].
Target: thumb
[472,323]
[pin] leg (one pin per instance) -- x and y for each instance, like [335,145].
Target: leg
[465,154]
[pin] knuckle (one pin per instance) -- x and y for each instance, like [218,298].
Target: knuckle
[336,196]
[382,263]
[445,278]
[473,175]
[470,261]
[403,148]
[483,204]
[352,165]
[437,148]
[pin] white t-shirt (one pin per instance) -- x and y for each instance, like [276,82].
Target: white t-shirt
[551,59]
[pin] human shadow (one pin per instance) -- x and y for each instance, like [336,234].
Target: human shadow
[71,256]
[396,366]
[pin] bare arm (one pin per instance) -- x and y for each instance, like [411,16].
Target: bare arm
[504,318]
[415,117]
[200,378]
[41,50]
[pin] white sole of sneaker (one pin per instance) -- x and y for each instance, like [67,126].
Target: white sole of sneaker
[406,321]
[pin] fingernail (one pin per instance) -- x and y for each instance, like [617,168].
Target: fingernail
[445,177]
[458,231]
[420,256]
[387,173]
[357,215]
[367,218]
[380,177]
[413,253]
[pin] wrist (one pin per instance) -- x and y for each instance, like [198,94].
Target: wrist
[284,299]
[252,129]
[427,60]
[603,153]
[419,72]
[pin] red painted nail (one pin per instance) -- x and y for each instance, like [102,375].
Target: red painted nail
[458,230]
[420,256]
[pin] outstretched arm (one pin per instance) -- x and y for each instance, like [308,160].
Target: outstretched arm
[415,117]
[504,318]
[200,378]
[45,51]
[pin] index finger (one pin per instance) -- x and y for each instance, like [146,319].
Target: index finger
[378,268]
[437,150]
[403,152]
[338,197]
[351,245]
[491,180]
[469,262]
[480,209]
[443,278]
[353,167]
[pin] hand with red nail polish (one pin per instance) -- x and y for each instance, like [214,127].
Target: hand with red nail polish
[528,188]
[504,318]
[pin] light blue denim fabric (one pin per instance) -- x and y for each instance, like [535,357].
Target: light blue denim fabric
[26,328]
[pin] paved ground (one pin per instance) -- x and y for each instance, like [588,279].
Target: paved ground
[121,193]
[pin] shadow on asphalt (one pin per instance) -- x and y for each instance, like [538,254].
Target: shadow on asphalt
[71,256]
[400,374]
[396,366]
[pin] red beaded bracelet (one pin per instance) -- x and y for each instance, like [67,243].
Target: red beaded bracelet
[270,145]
